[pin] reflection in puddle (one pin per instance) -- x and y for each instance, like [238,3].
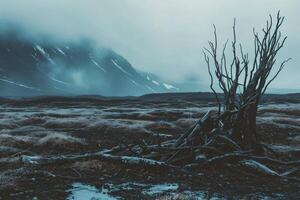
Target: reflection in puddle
[81,191]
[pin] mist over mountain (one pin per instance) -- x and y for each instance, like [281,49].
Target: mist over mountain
[34,67]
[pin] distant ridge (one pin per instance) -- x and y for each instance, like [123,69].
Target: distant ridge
[196,97]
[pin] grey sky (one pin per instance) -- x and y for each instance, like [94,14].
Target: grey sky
[165,37]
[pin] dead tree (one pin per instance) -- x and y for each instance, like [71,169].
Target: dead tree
[243,82]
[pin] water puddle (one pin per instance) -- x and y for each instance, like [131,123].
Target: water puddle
[133,190]
[81,191]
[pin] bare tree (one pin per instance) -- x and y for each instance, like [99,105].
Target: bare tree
[243,82]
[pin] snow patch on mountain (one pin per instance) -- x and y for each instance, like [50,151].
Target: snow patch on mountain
[19,84]
[60,51]
[98,65]
[44,53]
[59,81]
[155,82]
[169,87]
[119,67]
[40,49]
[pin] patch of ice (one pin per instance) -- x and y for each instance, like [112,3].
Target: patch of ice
[59,139]
[161,188]
[30,159]
[164,191]
[81,191]
[127,186]
[120,68]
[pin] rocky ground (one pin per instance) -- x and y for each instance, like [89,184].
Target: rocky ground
[64,126]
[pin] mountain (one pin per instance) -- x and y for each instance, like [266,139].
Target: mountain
[30,68]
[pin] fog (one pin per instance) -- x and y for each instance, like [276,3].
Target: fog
[163,37]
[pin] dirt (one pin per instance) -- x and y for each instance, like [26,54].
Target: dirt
[49,126]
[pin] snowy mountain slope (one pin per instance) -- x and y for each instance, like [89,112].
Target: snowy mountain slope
[158,83]
[35,68]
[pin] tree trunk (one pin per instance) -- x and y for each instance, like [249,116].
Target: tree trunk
[244,130]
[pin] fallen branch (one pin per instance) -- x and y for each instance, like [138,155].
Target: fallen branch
[102,155]
[193,130]
[275,161]
[261,169]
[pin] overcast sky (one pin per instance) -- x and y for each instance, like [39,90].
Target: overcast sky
[165,37]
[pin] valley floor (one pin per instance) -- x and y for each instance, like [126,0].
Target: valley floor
[64,127]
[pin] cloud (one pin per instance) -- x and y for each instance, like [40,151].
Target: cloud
[164,37]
